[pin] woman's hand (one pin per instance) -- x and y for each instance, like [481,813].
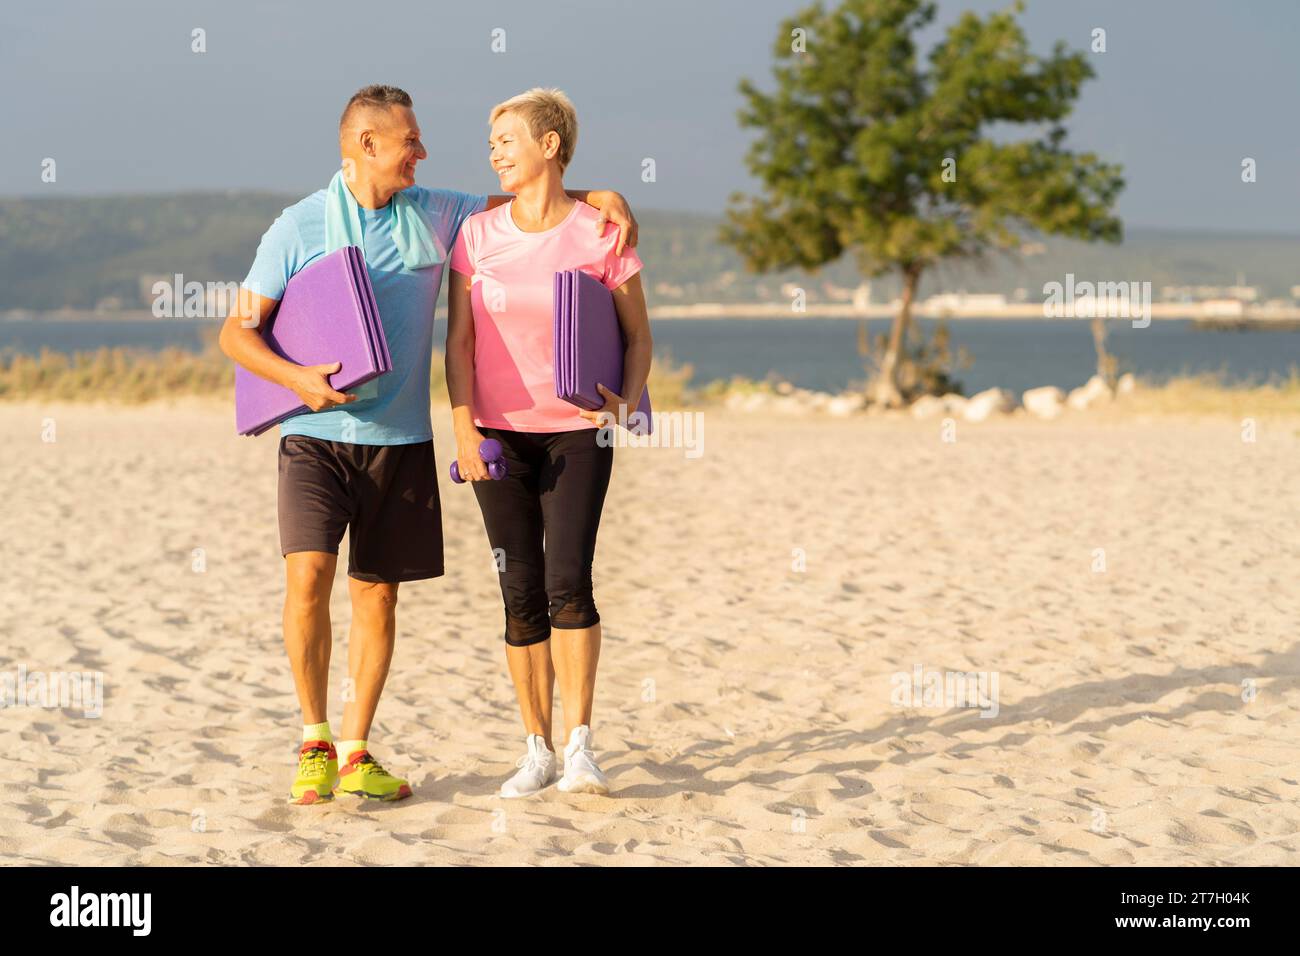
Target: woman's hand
[471,465]
[611,407]
[614,208]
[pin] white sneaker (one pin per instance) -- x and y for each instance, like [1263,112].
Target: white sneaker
[537,770]
[581,775]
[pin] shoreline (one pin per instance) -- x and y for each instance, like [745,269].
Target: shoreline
[1250,319]
[1138,401]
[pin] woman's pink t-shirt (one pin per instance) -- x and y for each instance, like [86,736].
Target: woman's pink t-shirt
[513,275]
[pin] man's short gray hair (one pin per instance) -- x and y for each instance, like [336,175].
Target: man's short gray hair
[374,96]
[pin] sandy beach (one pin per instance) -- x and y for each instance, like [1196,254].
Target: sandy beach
[1130,583]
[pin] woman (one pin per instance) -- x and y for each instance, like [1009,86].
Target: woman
[501,379]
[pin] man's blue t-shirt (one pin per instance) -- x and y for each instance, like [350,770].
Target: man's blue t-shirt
[398,414]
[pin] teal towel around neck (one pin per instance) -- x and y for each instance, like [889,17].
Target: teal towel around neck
[415,238]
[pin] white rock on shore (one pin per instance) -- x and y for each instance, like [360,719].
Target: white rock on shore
[991,401]
[842,406]
[1046,402]
[787,404]
[928,406]
[747,401]
[1094,392]
[786,399]
[954,403]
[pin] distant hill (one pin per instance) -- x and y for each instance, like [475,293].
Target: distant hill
[86,252]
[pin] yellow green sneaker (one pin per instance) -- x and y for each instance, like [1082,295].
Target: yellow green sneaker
[364,776]
[318,773]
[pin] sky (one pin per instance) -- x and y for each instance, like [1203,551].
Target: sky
[113,93]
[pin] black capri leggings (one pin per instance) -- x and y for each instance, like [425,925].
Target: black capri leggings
[555,488]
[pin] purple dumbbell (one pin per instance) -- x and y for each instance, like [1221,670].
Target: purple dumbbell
[490,452]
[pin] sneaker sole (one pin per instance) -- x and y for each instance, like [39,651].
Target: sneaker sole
[517,796]
[402,793]
[530,793]
[585,785]
[310,798]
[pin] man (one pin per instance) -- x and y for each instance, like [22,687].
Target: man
[362,461]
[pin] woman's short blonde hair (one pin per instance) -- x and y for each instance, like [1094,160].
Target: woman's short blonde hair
[542,111]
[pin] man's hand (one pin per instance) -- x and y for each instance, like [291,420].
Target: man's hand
[614,208]
[311,384]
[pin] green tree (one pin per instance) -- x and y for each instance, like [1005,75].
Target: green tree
[864,149]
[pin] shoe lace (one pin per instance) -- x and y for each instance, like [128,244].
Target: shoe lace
[312,762]
[369,764]
[584,753]
[530,761]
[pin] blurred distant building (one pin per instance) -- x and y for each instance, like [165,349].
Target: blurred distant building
[859,295]
[1223,308]
[1204,293]
[964,303]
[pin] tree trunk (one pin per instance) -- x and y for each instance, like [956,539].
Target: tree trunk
[888,393]
[1106,362]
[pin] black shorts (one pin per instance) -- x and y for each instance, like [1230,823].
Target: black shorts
[541,522]
[385,495]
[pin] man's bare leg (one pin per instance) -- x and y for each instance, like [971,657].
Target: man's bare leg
[309,577]
[370,651]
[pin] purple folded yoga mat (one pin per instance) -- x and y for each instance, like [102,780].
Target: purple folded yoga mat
[556,298]
[561,330]
[327,314]
[590,345]
[567,325]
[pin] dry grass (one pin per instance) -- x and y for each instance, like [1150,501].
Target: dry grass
[1209,394]
[132,376]
[117,375]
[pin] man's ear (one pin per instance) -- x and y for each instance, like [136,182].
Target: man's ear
[368,141]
